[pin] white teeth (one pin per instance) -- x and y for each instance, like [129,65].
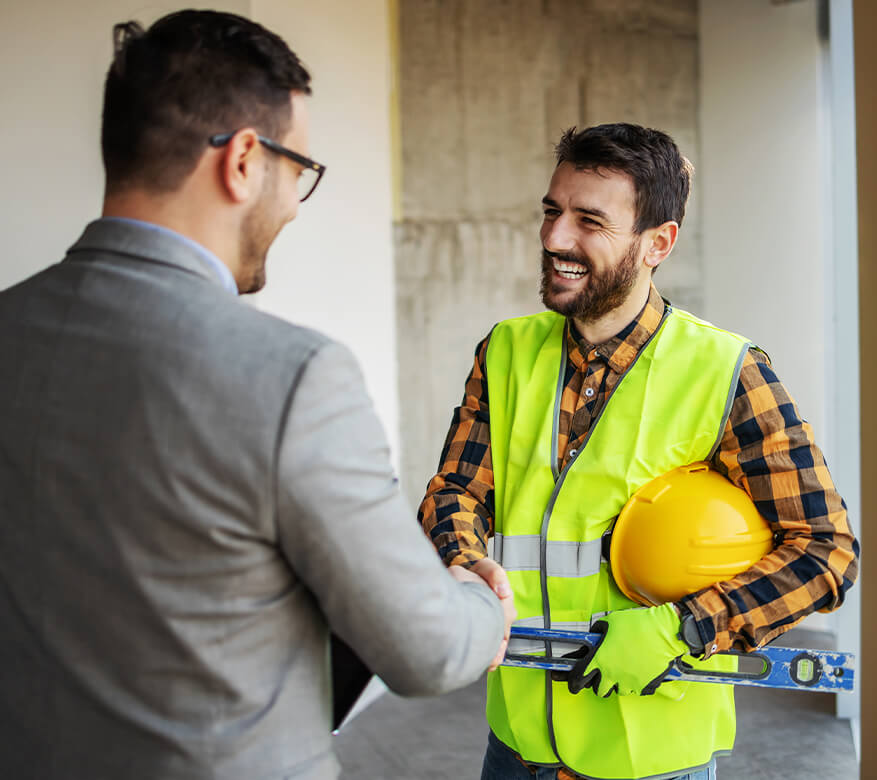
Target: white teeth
[569,270]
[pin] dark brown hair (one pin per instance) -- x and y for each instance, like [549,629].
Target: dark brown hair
[661,175]
[190,75]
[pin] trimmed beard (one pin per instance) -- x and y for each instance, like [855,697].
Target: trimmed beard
[257,235]
[602,293]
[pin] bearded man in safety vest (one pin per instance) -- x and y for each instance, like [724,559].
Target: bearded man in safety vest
[565,415]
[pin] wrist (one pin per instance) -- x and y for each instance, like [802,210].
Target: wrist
[689,633]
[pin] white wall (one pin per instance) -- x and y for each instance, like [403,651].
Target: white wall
[53,59]
[331,269]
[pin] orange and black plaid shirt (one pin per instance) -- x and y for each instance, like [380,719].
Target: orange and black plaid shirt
[767,449]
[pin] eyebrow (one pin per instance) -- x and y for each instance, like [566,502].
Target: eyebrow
[546,201]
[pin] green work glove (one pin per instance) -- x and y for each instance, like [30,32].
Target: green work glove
[636,652]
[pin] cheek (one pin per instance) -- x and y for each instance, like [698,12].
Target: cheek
[602,247]
[289,200]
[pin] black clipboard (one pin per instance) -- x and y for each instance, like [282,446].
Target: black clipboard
[350,676]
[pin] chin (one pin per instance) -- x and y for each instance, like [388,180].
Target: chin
[563,302]
[252,285]
[564,308]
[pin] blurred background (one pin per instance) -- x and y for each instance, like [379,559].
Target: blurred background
[436,120]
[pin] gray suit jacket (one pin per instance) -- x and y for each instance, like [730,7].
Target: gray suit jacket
[191,493]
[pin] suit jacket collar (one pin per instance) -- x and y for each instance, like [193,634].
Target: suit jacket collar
[150,243]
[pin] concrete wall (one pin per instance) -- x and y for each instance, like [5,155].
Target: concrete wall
[486,88]
[331,269]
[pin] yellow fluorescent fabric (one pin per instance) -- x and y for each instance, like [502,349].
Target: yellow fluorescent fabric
[667,411]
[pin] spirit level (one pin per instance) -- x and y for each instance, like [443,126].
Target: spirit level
[776,667]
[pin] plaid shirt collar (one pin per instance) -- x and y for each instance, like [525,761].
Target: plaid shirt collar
[622,348]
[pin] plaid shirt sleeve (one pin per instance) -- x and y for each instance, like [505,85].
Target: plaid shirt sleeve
[769,451]
[457,510]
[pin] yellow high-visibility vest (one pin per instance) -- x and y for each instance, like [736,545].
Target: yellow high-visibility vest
[668,410]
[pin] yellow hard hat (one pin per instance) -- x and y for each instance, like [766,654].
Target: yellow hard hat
[684,531]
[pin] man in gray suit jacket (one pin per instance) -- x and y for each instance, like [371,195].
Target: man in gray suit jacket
[193,492]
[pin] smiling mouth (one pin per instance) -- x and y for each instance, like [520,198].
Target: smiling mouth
[569,270]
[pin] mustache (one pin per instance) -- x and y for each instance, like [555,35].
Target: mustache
[565,257]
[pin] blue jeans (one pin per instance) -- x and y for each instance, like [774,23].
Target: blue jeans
[501,763]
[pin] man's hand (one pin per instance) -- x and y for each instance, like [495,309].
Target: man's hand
[490,572]
[636,651]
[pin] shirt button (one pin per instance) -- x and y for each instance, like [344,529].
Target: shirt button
[589,392]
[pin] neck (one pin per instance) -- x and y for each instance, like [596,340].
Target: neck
[603,329]
[183,213]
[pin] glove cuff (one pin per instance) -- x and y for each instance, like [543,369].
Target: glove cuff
[669,620]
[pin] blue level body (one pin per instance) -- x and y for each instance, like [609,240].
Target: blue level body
[780,667]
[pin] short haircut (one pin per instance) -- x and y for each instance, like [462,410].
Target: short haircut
[661,175]
[190,75]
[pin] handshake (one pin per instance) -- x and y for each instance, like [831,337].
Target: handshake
[489,572]
[637,650]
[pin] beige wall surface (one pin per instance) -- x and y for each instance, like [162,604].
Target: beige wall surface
[53,59]
[487,87]
[764,185]
[766,194]
[332,269]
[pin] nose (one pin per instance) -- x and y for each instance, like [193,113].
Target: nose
[557,234]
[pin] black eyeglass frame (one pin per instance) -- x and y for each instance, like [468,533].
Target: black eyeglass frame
[221,139]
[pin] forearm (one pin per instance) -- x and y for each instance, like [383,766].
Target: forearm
[458,509]
[770,452]
[773,596]
[420,631]
[348,534]
[457,522]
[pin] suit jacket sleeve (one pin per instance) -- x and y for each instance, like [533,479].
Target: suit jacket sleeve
[351,537]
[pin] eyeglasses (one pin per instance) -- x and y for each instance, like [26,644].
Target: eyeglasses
[311,172]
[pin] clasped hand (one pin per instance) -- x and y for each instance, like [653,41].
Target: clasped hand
[491,573]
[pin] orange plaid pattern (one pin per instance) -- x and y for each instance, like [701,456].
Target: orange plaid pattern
[767,449]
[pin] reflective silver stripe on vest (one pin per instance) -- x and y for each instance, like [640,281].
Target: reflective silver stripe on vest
[557,648]
[563,559]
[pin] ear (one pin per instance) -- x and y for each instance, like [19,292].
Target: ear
[240,175]
[660,242]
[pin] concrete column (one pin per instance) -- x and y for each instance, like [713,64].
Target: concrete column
[487,87]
